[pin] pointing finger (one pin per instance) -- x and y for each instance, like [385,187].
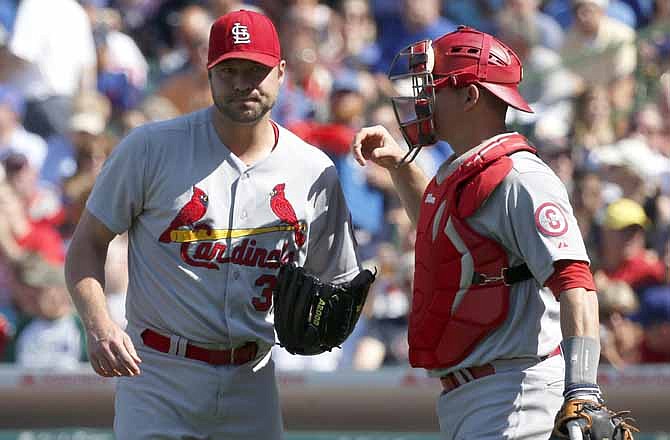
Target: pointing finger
[357,146]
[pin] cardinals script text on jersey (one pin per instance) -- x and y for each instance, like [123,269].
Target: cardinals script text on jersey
[200,245]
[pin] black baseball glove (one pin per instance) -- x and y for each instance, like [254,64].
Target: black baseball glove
[312,316]
[596,421]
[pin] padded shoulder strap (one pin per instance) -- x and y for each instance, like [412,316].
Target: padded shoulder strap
[475,179]
[475,191]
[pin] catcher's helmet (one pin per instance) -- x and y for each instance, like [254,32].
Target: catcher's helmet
[457,59]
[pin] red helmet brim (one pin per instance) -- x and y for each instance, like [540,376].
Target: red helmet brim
[508,93]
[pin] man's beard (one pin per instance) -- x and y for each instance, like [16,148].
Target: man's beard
[247,116]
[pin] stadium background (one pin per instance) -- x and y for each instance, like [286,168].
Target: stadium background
[76,76]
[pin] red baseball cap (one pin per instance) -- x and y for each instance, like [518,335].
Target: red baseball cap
[243,34]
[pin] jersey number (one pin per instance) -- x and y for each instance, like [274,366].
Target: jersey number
[263,303]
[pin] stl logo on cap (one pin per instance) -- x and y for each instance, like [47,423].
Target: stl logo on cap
[240,34]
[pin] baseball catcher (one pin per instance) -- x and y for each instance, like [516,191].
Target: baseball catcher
[312,316]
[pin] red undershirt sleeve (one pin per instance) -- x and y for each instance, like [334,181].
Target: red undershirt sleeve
[570,274]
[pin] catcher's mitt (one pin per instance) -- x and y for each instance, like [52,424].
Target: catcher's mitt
[312,316]
[596,421]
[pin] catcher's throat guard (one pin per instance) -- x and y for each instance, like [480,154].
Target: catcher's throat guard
[412,80]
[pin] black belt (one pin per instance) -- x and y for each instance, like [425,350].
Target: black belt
[508,276]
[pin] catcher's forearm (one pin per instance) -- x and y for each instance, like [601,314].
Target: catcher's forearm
[579,313]
[410,182]
[85,275]
[581,342]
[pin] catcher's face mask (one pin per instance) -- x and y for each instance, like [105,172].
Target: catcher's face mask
[412,79]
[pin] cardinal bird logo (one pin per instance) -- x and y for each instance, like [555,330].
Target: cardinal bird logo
[282,208]
[189,214]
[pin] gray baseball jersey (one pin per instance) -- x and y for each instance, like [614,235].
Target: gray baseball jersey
[207,232]
[530,215]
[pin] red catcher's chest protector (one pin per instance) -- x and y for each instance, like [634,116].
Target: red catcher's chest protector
[459,297]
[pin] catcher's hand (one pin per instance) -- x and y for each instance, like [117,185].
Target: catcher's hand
[596,421]
[312,316]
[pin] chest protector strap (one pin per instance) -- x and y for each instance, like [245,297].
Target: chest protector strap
[461,281]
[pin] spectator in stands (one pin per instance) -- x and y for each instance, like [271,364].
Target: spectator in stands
[188,86]
[649,125]
[591,126]
[588,205]
[594,33]
[401,231]
[365,200]
[307,86]
[91,115]
[624,256]
[345,116]
[480,14]
[418,20]
[13,136]
[188,26]
[114,79]
[123,56]
[655,317]
[153,108]
[385,340]
[547,85]
[9,248]
[12,224]
[563,11]
[602,51]
[51,57]
[633,167]
[90,146]
[654,49]
[324,24]
[42,203]
[20,235]
[526,15]
[48,333]
[620,337]
[359,34]
[557,153]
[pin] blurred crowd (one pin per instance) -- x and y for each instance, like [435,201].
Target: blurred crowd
[76,76]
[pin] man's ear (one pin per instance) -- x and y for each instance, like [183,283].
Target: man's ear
[281,70]
[471,96]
